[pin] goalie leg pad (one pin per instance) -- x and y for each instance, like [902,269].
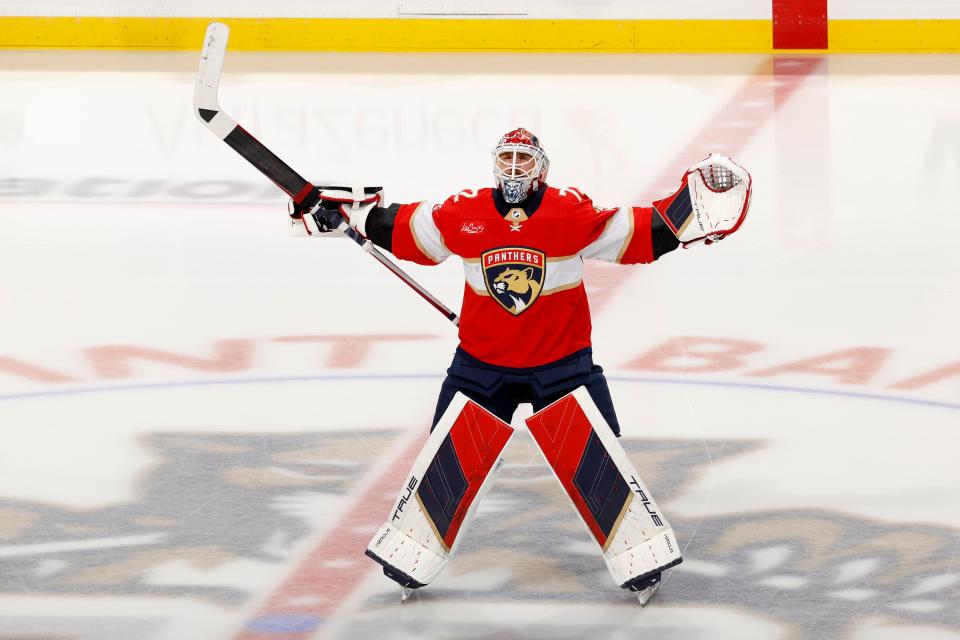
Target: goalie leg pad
[636,540]
[441,493]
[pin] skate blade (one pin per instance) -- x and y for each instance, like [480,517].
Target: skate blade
[645,596]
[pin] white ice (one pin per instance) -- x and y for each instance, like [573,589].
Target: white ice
[812,476]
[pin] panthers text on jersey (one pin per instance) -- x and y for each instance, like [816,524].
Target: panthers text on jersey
[524,303]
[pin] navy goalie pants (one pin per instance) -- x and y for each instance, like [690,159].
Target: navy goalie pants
[500,390]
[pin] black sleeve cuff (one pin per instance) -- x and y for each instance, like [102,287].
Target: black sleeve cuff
[663,239]
[379,226]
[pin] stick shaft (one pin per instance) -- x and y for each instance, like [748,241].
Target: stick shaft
[370,248]
[306,195]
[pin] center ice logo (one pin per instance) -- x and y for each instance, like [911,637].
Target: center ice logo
[514,276]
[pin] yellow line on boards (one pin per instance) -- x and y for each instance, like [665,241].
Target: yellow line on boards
[471,34]
[403,34]
[894,36]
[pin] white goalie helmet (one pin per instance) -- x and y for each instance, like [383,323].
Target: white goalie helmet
[519,165]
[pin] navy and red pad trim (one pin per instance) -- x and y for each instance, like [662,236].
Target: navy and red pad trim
[600,484]
[677,208]
[464,459]
[443,487]
[582,464]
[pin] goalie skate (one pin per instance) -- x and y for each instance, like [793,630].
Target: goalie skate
[636,540]
[646,595]
[443,488]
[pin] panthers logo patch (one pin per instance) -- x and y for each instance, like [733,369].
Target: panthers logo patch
[514,276]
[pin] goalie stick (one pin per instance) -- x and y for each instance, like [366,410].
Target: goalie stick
[304,194]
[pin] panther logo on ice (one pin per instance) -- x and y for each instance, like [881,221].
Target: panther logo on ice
[514,276]
[216,502]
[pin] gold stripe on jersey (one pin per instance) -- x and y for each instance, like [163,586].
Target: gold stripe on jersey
[545,292]
[612,243]
[438,251]
[561,274]
[566,287]
[473,274]
[626,242]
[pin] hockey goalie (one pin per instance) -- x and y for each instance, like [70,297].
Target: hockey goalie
[525,338]
[524,333]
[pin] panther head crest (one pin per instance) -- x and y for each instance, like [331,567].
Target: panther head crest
[520,282]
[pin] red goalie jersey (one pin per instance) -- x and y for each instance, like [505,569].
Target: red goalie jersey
[524,303]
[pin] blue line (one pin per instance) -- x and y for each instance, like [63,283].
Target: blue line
[146,386]
[771,387]
[430,376]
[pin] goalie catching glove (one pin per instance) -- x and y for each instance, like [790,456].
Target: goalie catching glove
[710,204]
[335,206]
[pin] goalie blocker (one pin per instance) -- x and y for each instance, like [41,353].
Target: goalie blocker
[636,540]
[441,493]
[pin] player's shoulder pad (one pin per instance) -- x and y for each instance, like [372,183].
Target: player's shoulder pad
[574,194]
[464,198]
[575,199]
[578,202]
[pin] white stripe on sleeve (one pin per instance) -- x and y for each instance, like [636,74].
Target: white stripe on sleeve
[427,235]
[615,237]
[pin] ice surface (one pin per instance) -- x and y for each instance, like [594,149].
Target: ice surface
[200,417]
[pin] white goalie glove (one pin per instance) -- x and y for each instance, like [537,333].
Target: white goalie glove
[336,205]
[711,203]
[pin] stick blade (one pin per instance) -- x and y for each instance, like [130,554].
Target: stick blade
[211,65]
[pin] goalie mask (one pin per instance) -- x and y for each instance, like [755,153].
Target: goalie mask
[519,165]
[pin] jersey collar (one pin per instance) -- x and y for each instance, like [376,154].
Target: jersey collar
[529,205]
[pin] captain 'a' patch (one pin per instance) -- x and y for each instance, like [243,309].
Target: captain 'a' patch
[514,276]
